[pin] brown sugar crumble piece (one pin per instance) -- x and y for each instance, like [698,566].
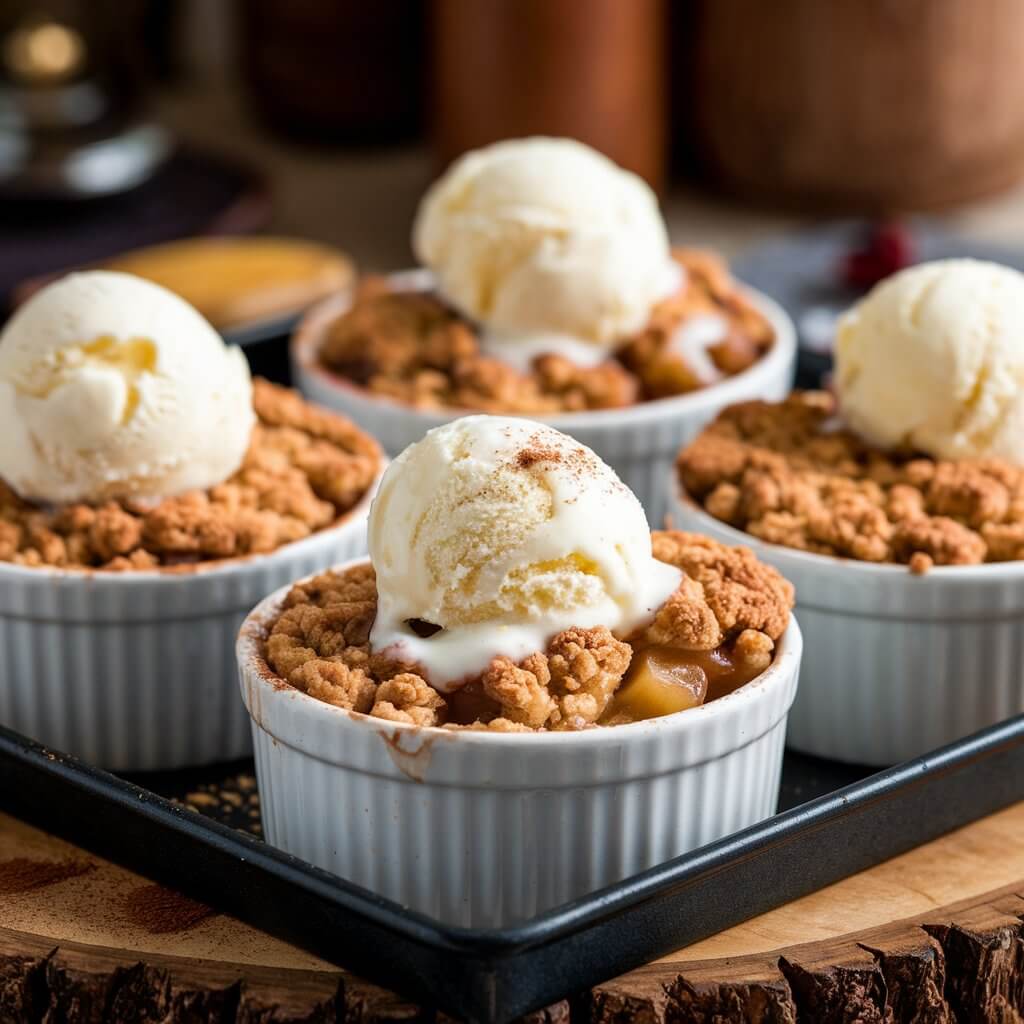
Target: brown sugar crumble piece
[790,474]
[411,347]
[233,801]
[305,468]
[408,698]
[722,622]
[587,666]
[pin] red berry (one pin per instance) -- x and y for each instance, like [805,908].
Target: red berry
[889,247]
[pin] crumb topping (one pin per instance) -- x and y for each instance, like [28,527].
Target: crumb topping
[305,468]
[790,474]
[411,347]
[728,611]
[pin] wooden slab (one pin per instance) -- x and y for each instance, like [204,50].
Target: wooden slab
[933,935]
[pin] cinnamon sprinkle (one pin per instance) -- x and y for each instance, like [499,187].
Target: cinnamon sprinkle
[161,911]
[531,456]
[23,874]
[577,461]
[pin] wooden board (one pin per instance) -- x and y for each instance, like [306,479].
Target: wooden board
[933,935]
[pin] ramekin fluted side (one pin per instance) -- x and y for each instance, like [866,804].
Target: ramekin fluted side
[136,671]
[639,442]
[485,830]
[895,665]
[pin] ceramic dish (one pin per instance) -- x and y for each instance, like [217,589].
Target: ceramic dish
[135,671]
[486,829]
[895,664]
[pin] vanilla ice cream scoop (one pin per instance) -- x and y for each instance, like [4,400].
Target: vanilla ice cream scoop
[113,387]
[504,532]
[933,359]
[548,245]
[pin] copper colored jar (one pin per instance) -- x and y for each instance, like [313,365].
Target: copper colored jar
[592,70]
[871,105]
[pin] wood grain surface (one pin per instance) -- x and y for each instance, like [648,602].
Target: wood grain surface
[933,935]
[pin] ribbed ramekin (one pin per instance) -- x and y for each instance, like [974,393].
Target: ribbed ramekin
[136,671]
[895,664]
[482,829]
[639,442]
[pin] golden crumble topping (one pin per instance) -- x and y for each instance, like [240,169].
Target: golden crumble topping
[788,473]
[715,633]
[411,347]
[304,469]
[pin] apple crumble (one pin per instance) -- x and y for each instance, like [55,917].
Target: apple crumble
[411,347]
[790,474]
[715,633]
[305,468]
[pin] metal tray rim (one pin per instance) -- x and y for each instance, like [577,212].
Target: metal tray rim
[485,961]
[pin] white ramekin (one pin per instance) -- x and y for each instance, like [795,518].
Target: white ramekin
[639,442]
[895,664]
[482,829]
[136,671]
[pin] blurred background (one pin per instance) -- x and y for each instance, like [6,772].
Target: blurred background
[817,145]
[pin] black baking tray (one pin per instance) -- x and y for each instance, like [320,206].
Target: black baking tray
[492,976]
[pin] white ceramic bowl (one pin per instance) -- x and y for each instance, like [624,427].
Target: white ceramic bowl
[639,442]
[483,829]
[136,671]
[895,664]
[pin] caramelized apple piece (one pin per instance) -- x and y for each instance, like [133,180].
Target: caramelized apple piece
[668,374]
[660,681]
[734,354]
[724,672]
[470,704]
